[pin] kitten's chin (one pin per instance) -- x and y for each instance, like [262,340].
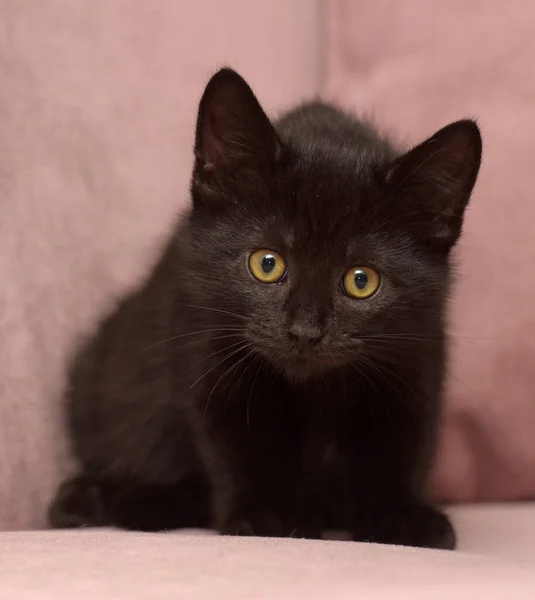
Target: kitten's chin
[302,368]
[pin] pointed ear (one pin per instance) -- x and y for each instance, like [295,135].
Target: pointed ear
[435,180]
[233,132]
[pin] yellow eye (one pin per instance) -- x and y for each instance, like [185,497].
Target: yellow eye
[267,266]
[361,282]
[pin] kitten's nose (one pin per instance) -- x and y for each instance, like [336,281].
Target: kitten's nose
[304,336]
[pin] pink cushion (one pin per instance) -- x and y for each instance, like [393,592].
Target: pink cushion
[415,66]
[495,562]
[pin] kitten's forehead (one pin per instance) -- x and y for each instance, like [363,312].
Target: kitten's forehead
[333,168]
[328,200]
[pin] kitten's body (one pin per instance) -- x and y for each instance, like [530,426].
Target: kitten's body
[209,398]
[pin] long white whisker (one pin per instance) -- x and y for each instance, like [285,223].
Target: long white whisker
[246,345]
[212,339]
[384,369]
[190,333]
[370,381]
[204,359]
[242,374]
[260,365]
[217,310]
[232,367]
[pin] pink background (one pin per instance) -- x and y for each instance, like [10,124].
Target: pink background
[97,109]
[417,66]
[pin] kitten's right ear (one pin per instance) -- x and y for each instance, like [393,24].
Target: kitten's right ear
[435,180]
[234,135]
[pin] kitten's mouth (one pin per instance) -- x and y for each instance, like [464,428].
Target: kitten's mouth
[302,366]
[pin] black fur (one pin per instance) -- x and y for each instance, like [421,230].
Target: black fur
[211,399]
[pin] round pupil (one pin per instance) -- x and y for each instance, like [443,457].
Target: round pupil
[361,279]
[268,263]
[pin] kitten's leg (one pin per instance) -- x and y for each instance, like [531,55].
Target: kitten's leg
[250,463]
[248,497]
[309,491]
[391,503]
[78,503]
[162,507]
[407,522]
[307,507]
[85,502]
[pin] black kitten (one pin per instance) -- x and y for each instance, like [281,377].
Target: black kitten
[281,371]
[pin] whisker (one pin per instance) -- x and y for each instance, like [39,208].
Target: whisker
[424,336]
[399,393]
[402,354]
[190,333]
[232,367]
[383,370]
[212,339]
[361,373]
[236,381]
[205,358]
[370,381]
[242,347]
[260,365]
[407,338]
[450,374]
[217,310]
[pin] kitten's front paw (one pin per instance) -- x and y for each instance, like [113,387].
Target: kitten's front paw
[78,503]
[406,525]
[310,532]
[264,524]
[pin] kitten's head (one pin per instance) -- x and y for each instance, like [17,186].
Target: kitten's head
[332,246]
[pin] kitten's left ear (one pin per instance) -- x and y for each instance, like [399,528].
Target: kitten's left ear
[436,179]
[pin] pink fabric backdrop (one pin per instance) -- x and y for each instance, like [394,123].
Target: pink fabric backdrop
[97,109]
[414,66]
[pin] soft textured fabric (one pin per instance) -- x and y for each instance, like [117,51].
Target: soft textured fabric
[413,67]
[494,562]
[97,111]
